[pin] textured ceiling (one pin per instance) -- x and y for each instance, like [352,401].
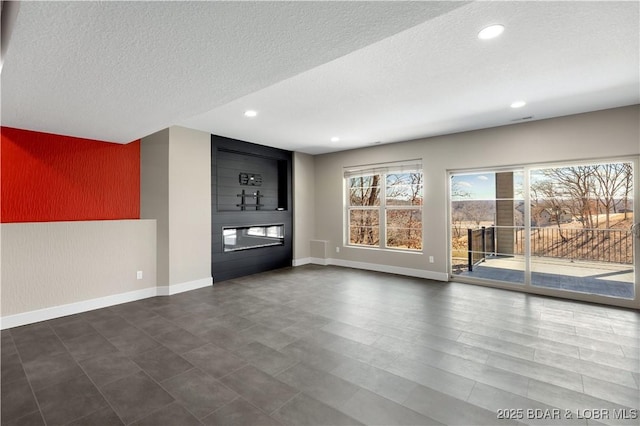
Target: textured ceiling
[364,71]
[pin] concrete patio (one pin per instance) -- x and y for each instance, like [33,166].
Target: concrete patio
[607,279]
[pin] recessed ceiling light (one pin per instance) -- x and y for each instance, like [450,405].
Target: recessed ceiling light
[518,104]
[335,139]
[491,31]
[250,113]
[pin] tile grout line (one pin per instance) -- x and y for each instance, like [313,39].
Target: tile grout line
[33,394]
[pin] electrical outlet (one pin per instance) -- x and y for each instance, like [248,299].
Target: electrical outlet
[139,275]
[337,249]
[431,259]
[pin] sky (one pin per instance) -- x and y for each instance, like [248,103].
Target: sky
[478,186]
[481,185]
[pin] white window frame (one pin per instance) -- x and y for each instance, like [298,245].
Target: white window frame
[410,166]
[527,287]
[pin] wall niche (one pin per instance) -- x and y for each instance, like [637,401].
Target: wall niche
[248,182]
[251,198]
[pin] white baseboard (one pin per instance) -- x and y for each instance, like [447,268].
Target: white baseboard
[409,272]
[31,317]
[300,262]
[168,290]
[310,261]
[320,261]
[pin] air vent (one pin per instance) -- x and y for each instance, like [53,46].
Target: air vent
[529,117]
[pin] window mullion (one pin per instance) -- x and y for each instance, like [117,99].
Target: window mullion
[383,210]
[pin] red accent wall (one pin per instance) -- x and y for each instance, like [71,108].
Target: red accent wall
[46,178]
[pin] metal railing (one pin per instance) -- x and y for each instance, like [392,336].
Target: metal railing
[599,245]
[480,243]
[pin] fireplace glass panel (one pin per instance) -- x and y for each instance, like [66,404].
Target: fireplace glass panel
[249,237]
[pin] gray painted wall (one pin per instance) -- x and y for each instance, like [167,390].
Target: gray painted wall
[176,191]
[154,194]
[304,206]
[189,205]
[603,134]
[50,264]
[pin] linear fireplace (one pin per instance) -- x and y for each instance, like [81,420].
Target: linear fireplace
[251,208]
[250,237]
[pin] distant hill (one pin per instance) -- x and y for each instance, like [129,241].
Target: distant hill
[474,210]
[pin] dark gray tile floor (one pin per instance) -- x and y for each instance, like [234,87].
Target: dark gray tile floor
[319,345]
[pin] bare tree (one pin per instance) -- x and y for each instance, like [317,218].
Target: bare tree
[405,189]
[627,178]
[610,182]
[546,198]
[457,219]
[537,203]
[415,226]
[365,192]
[458,214]
[577,184]
[479,211]
[457,191]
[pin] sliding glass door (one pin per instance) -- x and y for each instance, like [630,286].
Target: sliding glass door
[566,228]
[487,224]
[581,219]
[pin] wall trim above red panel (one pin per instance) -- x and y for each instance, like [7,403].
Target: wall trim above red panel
[48,178]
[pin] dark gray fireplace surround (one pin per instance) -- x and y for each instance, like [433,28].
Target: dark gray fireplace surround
[251,211]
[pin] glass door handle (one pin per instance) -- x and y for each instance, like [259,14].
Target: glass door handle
[635,229]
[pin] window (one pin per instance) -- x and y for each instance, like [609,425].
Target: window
[561,227]
[384,206]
